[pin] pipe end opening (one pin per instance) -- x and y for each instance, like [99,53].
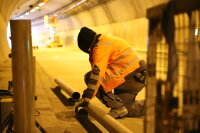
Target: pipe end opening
[76,95]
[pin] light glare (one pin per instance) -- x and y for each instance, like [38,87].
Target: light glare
[27,13]
[32,10]
[196,32]
[41,4]
[75,5]
[37,7]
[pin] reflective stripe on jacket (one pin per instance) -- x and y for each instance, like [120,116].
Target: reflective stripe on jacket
[112,58]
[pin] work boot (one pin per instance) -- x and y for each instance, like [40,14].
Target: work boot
[136,108]
[119,112]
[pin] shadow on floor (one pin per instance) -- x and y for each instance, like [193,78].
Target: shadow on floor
[81,116]
[66,101]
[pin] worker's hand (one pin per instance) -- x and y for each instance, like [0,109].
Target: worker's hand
[84,103]
[88,93]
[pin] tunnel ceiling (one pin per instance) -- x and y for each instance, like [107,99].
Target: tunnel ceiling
[66,7]
[49,7]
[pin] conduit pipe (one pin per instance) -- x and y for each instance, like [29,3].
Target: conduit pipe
[109,123]
[22,71]
[68,89]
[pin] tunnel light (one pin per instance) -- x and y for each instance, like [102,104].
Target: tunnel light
[32,10]
[75,5]
[27,13]
[37,7]
[196,32]
[80,2]
[41,4]
[75,40]
[21,16]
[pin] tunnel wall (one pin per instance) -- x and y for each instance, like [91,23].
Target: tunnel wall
[7,8]
[117,17]
[3,40]
[123,18]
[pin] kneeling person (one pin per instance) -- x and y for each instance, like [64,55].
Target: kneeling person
[117,73]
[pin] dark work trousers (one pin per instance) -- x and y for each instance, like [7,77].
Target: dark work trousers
[124,95]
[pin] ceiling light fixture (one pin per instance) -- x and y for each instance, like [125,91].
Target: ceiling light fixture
[196,32]
[73,6]
[32,8]
[37,7]
[27,13]
[21,16]
[41,4]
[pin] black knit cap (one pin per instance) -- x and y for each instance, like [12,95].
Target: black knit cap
[85,38]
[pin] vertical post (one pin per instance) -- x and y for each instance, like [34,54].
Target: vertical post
[155,35]
[22,70]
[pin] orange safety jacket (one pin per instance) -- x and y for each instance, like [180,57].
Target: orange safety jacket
[111,59]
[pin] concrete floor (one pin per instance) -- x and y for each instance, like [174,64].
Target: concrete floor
[69,64]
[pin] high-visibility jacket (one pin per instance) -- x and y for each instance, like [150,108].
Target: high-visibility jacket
[111,59]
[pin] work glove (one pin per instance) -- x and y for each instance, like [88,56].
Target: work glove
[82,104]
[88,93]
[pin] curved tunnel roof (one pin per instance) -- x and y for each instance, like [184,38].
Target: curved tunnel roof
[96,13]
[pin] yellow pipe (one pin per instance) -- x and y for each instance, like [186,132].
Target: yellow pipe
[102,117]
[109,123]
[69,90]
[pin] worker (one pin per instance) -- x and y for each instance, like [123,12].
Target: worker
[117,73]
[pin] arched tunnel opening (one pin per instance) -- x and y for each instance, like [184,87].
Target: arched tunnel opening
[43,46]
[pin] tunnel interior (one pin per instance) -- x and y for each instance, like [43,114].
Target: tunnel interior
[165,33]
